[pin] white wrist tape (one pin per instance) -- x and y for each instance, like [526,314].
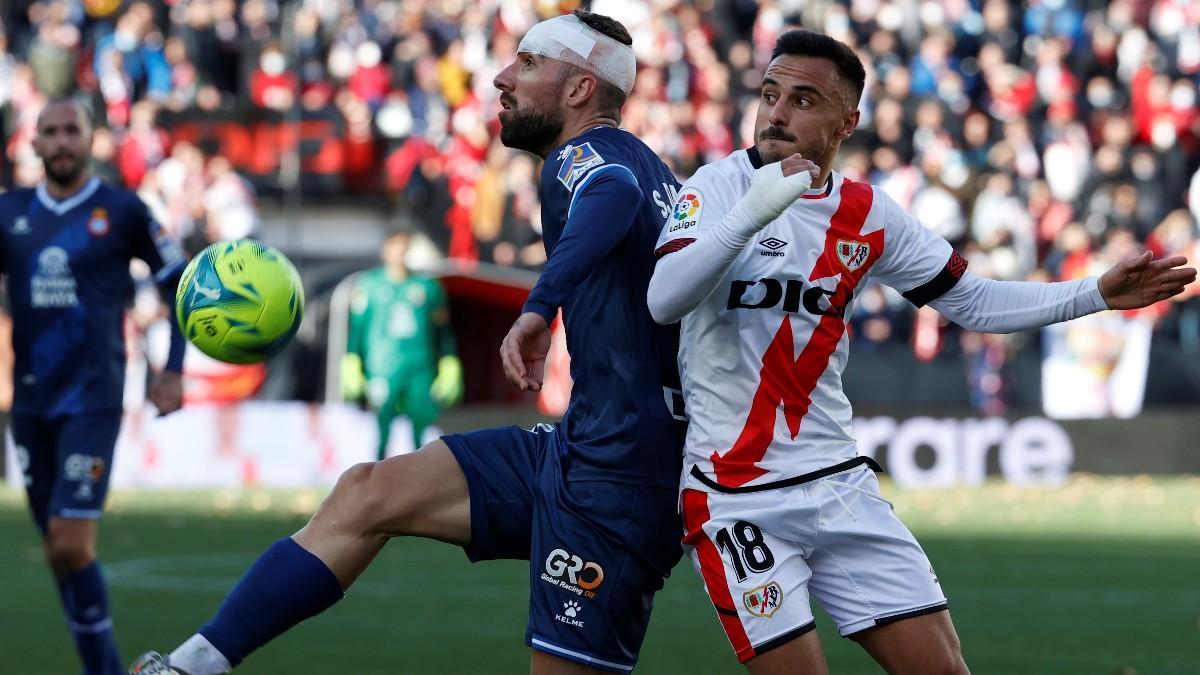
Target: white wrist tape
[567,39]
[771,192]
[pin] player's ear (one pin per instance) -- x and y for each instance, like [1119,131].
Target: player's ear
[581,88]
[849,124]
[37,144]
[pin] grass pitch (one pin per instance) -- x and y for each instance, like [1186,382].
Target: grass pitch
[1097,577]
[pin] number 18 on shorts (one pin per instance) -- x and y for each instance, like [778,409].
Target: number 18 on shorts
[762,554]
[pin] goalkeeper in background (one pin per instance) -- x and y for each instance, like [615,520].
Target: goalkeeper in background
[400,351]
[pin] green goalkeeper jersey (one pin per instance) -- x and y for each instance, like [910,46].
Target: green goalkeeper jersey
[398,326]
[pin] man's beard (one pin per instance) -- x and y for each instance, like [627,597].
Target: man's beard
[532,130]
[67,177]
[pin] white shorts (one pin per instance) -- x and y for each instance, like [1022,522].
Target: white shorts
[762,553]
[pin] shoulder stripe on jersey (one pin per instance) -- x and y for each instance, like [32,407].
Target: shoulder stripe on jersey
[938,286]
[59,208]
[596,172]
[672,246]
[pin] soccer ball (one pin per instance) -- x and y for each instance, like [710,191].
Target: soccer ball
[239,301]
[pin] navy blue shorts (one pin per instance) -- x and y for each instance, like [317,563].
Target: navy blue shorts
[599,550]
[66,461]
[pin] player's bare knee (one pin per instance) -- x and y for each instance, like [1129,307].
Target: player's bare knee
[369,494]
[346,505]
[68,554]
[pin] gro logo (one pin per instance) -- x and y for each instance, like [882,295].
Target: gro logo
[586,576]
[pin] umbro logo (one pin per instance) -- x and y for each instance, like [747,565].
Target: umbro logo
[772,245]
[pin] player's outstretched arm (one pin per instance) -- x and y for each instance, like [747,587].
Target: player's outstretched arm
[1143,281]
[990,306]
[684,277]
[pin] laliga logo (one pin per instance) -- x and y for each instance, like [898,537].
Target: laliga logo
[586,576]
[686,206]
[687,211]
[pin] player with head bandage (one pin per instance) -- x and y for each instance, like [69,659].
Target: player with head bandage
[590,502]
[768,251]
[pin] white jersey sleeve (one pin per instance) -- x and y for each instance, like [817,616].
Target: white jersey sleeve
[925,269]
[705,232]
[991,306]
[915,260]
[703,201]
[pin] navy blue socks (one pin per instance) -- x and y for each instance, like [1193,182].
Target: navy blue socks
[85,599]
[285,586]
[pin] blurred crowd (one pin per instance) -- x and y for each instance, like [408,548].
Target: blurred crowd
[1044,138]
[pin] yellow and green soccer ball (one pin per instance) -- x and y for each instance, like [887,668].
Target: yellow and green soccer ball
[239,301]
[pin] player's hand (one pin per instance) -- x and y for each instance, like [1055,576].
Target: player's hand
[776,186]
[523,351]
[795,164]
[166,392]
[1143,281]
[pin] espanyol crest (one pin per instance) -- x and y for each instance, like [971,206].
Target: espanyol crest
[576,160]
[97,225]
[853,254]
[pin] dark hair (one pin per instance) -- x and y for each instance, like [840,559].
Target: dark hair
[810,43]
[604,24]
[610,98]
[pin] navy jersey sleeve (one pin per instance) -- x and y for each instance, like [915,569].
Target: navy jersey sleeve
[152,243]
[603,208]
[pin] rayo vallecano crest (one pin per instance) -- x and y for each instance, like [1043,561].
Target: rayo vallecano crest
[853,254]
[763,601]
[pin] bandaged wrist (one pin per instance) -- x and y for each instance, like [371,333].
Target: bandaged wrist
[771,192]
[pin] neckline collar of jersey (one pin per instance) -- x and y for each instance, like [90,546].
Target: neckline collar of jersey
[587,132]
[814,193]
[59,208]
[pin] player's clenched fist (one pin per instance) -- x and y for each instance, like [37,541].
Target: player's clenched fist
[774,187]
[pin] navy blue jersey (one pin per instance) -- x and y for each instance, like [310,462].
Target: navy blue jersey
[605,197]
[67,266]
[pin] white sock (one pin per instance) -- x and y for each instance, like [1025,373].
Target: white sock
[197,656]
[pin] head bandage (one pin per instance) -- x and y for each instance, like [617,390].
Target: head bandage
[567,39]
